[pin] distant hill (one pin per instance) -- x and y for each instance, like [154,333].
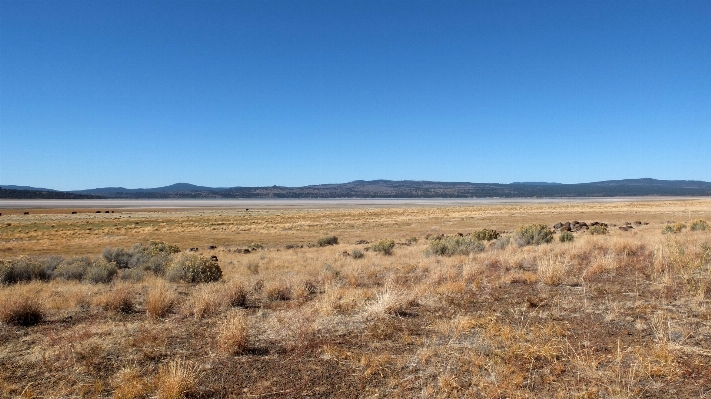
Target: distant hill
[11,187]
[6,193]
[173,188]
[422,189]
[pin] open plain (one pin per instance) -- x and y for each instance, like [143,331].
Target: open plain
[618,314]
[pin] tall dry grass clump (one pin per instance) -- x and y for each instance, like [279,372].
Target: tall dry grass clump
[177,379]
[120,299]
[19,306]
[206,301]
[160,301]
[233,335]
[129,383]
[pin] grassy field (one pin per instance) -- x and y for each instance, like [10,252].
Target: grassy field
[620,315]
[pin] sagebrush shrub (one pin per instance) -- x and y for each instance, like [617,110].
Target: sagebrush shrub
[193,269]
[24,269]
[357,254]
[100,271]
[328,240]
[384,246]
[486,235]
[118,256]
[455,245]
[567,236]
[73,268]
[698,225]
[533,234]
[673,228]
[597,230]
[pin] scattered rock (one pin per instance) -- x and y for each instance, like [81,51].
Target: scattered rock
[361,242]
[214,258]
[212,247]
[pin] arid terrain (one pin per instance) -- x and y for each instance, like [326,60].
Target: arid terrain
[227,302]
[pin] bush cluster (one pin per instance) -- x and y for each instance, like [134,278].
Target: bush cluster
[699,225]
[384,246]
[156,257]
[24,269]
[486,235]
[193,269]
[567,236]
[455,245]
[533,234]
[598,230]
[673,228]
[328,240]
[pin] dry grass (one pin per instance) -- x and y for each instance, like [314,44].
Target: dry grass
[176,379]
[624,315]
[20,307]
[161,300]
[233,334]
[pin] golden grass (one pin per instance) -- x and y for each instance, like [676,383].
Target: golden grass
[619,315]
[161,300]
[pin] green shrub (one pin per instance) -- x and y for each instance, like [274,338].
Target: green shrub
[135,275]
[357,254]
[455,245]
[100,271]
[84,268]
[155,248]
[673,228]
[501,242]
[598,230]
[73,268]
[486,235]
[25,269]
[118,256]
[193,269]
[567,236]
[533,234]
[328,240]
[412,240]
[698,225]
[384,246]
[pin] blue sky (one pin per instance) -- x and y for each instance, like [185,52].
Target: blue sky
[251,93]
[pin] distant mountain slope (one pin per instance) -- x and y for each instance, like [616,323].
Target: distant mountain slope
[173,188]
[424,189]
[11,187]
[6,193]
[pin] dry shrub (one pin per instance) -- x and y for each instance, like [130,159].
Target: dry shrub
[277,291]
[160,301]
[304,289]
[388,302]
[699,225]
[551,271]
[119,299]
[533,234]
[20,307]
[205,301]
[236,294]
[128,383]
[177,379]
[232,337]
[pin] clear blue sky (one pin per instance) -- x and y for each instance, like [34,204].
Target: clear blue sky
[249,93]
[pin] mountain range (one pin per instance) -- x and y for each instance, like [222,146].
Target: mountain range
[387,189]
